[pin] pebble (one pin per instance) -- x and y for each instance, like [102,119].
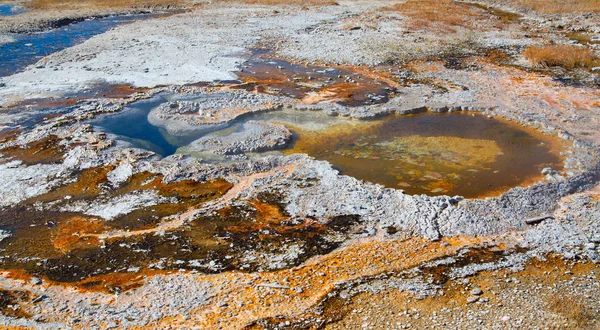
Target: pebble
[476,291]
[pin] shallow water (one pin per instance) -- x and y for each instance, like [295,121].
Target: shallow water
[9,9]
[30,48]
[434,154]
[142,134]
[132,125]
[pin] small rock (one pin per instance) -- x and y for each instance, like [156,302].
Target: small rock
[476,291]
[547,170]
[35,281]
[472,299]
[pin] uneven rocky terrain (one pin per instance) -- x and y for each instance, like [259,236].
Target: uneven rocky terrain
[230,226]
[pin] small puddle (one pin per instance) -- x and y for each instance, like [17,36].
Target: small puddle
[312,84]
[27,49]
[10,9]
[142,134]
[435,154]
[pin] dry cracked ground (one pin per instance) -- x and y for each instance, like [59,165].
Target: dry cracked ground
[317,164]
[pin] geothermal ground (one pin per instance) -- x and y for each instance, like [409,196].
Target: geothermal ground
[300,164]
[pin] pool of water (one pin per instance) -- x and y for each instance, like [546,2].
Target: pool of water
[9,9]
[143,134]
[434,154]
[27,49]
[132,124]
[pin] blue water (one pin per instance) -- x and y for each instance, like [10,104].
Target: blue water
[30,48]
[133,123]
[7,9]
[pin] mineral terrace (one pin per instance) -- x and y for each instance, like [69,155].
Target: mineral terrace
[265,164]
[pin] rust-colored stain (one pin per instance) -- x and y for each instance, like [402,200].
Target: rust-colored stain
[101,90]
[71,234]
[268,213]
[426,66]
[49,102]
[316,278]
[9,135]
[87,186]
[272,218]
[75,251]
[119,91]
[47,150]
[351,86]
[116,282]
[71,238]
[10,301]
[93,183]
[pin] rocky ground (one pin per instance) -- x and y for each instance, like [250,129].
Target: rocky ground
[96,233]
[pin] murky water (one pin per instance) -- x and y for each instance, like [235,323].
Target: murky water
[435,154]
[30,48]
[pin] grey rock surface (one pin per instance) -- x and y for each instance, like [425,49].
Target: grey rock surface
[254,136]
